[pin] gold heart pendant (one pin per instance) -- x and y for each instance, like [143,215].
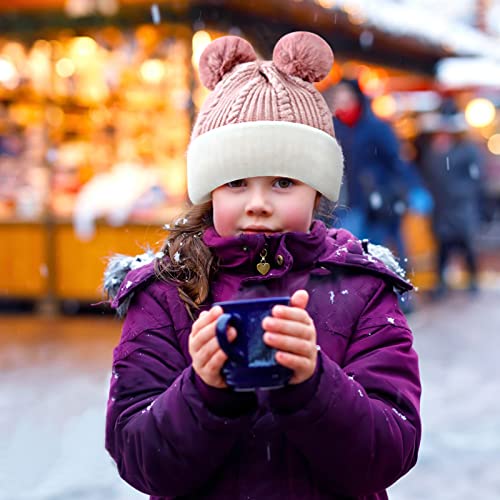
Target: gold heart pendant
[263,267]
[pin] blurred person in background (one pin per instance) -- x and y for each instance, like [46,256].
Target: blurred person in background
[376,181]
[452,167]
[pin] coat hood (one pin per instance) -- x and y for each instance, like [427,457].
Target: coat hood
[118,267]
[320,249]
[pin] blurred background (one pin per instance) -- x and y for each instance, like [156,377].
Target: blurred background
[97,98]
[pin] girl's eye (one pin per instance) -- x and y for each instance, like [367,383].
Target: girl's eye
[235,184]
[283,182]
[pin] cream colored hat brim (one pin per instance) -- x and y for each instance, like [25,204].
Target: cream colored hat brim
[264,148]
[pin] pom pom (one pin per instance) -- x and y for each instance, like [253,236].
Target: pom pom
[303,54]
[221,56]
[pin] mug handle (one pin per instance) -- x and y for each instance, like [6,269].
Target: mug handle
[229,348]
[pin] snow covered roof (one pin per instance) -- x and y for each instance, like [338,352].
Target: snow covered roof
[427,21]
[469,71]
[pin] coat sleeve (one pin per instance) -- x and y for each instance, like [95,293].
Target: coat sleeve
[158,428]
[364,416]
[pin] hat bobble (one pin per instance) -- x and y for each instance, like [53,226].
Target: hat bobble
[303,54]
[221,56]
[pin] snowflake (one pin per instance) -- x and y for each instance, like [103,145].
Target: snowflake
[400,415]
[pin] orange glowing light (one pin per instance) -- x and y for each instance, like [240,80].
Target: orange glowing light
[384,106]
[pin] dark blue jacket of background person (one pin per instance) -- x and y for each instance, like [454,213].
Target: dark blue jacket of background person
[371,156]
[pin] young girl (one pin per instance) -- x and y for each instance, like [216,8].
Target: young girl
[347,426]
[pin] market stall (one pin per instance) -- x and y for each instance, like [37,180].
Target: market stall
[96,105]
[93,127]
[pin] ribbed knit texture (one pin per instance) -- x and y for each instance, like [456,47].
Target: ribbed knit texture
[256,91]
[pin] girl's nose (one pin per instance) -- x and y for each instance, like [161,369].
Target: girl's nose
[258,203]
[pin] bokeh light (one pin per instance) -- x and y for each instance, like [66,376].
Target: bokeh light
[82,47]
[65,67]
[153,71]
[494,144]
[7,71]
[384,106]
[326,4]
[200,40]
[480,112]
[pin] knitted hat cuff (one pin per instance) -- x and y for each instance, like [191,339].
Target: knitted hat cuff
[264,148]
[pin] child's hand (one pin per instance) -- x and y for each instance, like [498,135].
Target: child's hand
[204,348]
[291,331]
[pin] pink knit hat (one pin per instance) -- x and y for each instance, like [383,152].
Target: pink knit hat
[264,118]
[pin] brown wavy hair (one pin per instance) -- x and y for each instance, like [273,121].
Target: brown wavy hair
[188,262]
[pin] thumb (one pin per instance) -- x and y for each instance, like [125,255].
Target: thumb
[299,299]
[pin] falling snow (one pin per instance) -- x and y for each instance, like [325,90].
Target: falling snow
[332,296]
[390,320]
[155,13]
[344,292]
[400,415]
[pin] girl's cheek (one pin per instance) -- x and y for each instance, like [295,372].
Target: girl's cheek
[225,222]
[299,219]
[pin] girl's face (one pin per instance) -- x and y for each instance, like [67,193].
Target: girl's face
[263,205]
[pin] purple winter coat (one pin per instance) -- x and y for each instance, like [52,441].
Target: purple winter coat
[350,431]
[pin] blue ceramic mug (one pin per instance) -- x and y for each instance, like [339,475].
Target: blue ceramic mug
[251,363]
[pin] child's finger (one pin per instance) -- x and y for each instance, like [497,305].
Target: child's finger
[292,314]
[205,318]
[292,345]
[299,299]
[202,336]
[215,363]
[295,328]
[206,352]
[293,361]
[207,334]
